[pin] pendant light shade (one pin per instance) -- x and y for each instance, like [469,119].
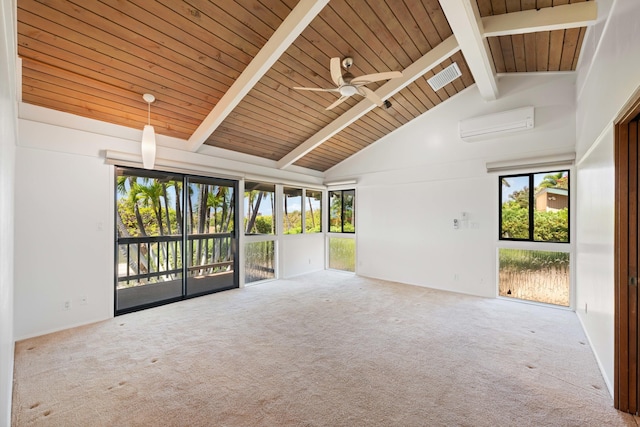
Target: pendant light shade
[148,146]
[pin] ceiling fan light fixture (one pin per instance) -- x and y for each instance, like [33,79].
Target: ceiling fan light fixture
[348,90]
[148,145]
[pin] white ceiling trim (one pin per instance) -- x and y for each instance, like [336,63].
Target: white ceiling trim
[467,26]
[284,36]
[434,57]
[572,15]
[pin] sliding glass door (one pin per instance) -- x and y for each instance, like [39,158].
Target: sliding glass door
[175,237]
[211,239]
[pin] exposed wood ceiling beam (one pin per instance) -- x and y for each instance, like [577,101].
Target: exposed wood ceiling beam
[287,32]
[466,24]
[410,74]
[572,15]
[473,30]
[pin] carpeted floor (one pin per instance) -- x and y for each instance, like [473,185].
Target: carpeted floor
[326,349]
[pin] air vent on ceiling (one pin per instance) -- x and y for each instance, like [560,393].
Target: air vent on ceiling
[444,77]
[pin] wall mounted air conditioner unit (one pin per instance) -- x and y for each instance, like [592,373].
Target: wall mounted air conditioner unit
[493,125]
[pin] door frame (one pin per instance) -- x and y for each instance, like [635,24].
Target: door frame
[143,297]
[627,258]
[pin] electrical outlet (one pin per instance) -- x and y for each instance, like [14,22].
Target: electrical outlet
[66,305]
[456,277]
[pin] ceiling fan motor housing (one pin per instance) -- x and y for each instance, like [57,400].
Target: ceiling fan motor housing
[348,90]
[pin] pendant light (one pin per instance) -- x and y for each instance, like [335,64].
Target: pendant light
[148,145]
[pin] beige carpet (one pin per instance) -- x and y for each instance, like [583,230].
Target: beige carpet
[326,349]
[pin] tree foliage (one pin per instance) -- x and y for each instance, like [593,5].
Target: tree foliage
[548,226]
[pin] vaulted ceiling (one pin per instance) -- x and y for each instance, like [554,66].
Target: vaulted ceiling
[223,71]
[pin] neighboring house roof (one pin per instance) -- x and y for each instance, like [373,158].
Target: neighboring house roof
[558,191]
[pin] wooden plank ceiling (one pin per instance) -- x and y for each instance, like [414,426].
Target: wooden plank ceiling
[96,59]
[557,50]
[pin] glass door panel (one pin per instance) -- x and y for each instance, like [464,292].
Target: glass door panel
[211,238]
[149,238]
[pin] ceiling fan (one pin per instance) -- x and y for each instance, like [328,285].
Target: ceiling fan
[348,85]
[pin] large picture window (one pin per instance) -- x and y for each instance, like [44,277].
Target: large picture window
[535,207]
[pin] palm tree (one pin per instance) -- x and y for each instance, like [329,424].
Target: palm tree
[202,217]
[150,195]
[166,207]
[177,188]
[286,214]
[141,265]
[313,219]
[555,180]
[255,197]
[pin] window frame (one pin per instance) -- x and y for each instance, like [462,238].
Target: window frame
[342,210]
[260,186]
[285,215]
[305,200]
[531,222]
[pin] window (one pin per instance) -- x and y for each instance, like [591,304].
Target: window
[341,214]
[292,218]
[313,211]
[541,276]
[259,261]
[293,211]
[259,208]
[541,215]
[534,209]
[342,250]
[342,254]
[260,231]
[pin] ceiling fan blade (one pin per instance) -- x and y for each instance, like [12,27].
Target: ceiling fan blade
[370,78]
[336,75]
[338,102]
[317,89]
[371,96]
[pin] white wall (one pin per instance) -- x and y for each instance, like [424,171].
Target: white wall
[64,227]
[605,86]
[64,248]
[413,183]
[610,79]
[8,139]
[595,249]
[300,254]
